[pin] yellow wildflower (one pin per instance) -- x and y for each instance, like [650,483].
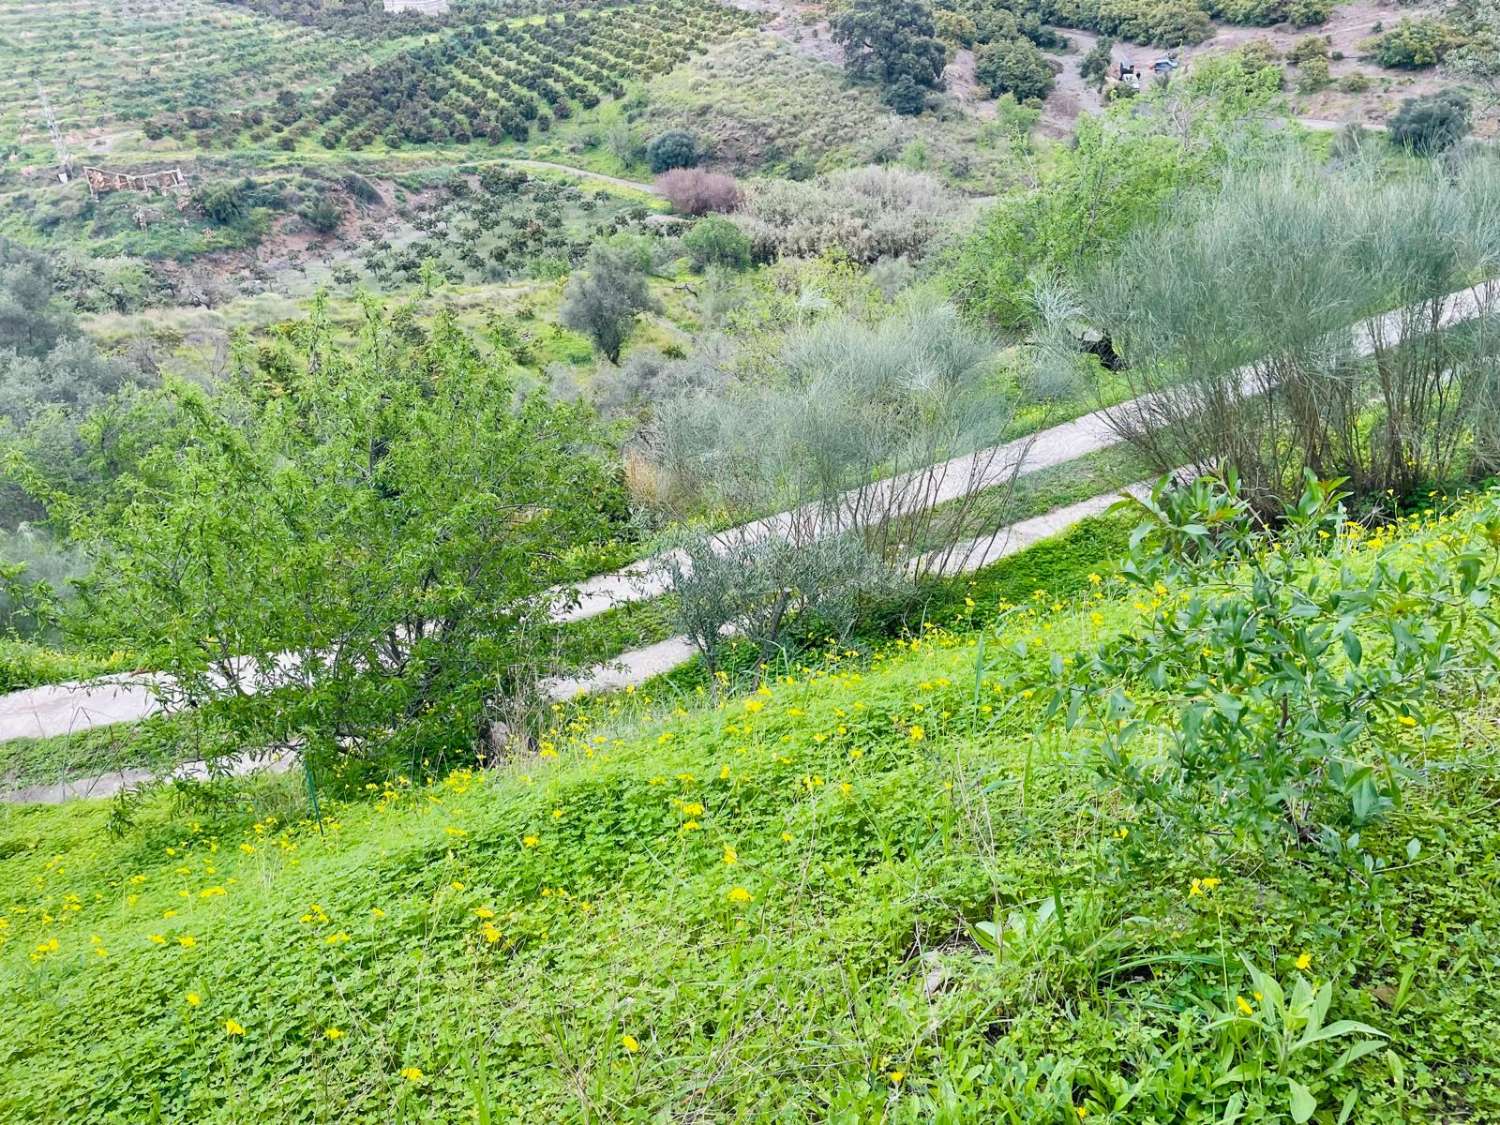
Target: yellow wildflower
[740,896]
[233,1027]
[630,1043]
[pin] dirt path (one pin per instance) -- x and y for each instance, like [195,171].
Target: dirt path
[582,173]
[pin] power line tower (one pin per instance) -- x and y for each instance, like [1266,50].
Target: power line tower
[59,145]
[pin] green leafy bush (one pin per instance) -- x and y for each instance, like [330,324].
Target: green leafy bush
[1013,66]
[717,242]
[223,203]
[905,96]
[1414,43]
[322,214]
[1255,13]
[675,148]
[1431,123]
[1167,23]
[25,664]
[603,300]
[1313,75]
[1267,699]
[1309,13]
[360,188]
[1095,65]
[1307,48]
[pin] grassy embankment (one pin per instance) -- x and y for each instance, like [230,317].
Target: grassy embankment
[761,907]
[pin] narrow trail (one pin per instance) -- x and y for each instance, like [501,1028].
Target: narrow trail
[58,709]
[642,664]
[581,173]
[67,708]
[629,669]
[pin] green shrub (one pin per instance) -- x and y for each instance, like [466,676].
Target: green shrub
[1254,13]
[954,27]
[24,664]
[675,148]
[406,509]
[1356,82]
[994,24]
[1309,13]
[222,203]
[1264,13]
[603,300]
[1414,43]
[1301,735]
[1257,56]
[1168,23]
[1095,65]
[1431,123]
[361,188]
[717,242]
[1306,48]
[322,215]
[1175,24]
[905,96]
[1313,75]
[1013,66]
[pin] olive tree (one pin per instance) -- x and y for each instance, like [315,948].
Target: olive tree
[603,301]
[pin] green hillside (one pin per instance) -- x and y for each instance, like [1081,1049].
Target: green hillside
[896,888]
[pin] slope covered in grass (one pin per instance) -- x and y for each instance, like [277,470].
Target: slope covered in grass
[772,906]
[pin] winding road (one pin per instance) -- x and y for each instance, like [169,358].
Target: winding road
[66,708]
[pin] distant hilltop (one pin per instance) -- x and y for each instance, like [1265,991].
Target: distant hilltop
[422,7]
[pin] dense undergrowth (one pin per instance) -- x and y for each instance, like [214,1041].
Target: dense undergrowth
[782,905]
